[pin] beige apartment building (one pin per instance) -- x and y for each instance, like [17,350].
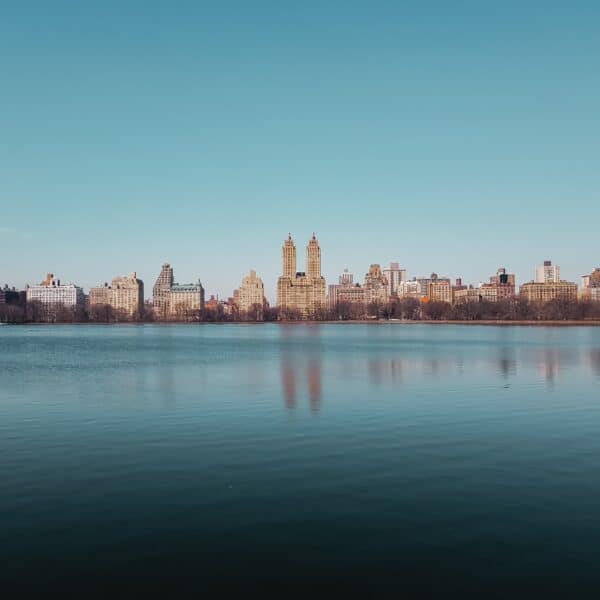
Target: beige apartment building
[125,294]
[301,293]
[544,292]
[376,286]
[439,290]
[174,301]
[466,294]
[251,295]
[590,286]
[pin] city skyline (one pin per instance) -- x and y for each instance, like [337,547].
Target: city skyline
[271,294]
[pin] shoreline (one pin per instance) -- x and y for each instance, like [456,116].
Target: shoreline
[482,322]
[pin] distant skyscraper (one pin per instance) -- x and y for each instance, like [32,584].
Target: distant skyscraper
[161,292]
[547,273]
[251,295]
[301,293]
[346,278]
[376,285]
[395,276]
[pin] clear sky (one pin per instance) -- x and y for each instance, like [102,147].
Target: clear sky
[448,136]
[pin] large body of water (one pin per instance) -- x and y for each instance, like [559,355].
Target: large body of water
[391,458]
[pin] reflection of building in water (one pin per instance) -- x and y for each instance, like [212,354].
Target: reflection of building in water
[384,370]
[595,361]
[507,363]
[314,383]
[294,369]
[301,364]
[549,365]
[288,382]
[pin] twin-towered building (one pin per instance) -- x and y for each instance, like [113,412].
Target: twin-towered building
[301,293]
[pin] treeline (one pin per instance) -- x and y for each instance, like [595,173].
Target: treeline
[36,312]
[515,309]
[399,309]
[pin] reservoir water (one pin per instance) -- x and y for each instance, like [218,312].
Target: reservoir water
[385,458]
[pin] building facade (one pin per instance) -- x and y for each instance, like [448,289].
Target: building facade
[590,286]
[545,292]
[547,273]
[344,290]
[410,289]
[251,295]
[125,295]
[51,292]
[176,301]
[376,286]
[301,294]
[424,283]
[395,276]
[440,290]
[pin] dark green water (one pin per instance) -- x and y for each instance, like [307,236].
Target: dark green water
[386,458]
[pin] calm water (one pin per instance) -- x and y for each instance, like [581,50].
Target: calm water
[395,457]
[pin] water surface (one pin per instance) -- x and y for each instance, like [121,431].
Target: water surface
[390,457]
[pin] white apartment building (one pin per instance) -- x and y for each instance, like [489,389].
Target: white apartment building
[547,273]
[51,292]
[395,276]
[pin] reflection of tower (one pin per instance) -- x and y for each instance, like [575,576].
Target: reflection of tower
[314,383]
[289,257]
[288,382]
[313,258]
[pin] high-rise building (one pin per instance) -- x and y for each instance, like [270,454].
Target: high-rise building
[395,276]
[376,286]
[176,301]
[251,295]
[161,292]
[346,278]
[547,273]
[301,293]
[125,294]
[590,286]
[51,292]
[2,297]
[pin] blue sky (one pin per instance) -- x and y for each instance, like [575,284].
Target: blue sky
[448,136]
